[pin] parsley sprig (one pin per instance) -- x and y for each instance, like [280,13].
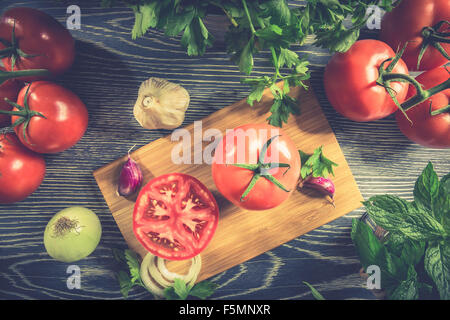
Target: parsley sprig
[256,26]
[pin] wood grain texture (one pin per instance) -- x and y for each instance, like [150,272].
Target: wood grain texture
[241,234]
[106,75]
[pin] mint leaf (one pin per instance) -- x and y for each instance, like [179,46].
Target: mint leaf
[408,289]
[426,188]
[367,244]
[441,205]
[396,215]
[203,289]
[372,252]
[437,266]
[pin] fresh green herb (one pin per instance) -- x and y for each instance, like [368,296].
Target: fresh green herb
[316,164]
[180,291]
[131,277]
[255,26]
[414,259]
[316,294]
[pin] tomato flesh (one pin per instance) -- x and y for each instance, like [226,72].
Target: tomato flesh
[175,216]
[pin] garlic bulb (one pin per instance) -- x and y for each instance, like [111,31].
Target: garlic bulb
[161,104]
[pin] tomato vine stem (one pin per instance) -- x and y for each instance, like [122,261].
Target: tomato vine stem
[5,75]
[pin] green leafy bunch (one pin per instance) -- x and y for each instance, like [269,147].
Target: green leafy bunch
[255,26]
[414,258]
[131,277]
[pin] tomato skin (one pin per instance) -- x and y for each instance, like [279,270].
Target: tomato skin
[8,89]
[21,170]
[66,118]
[165,210]
[405,23]
[350,82]
[232,181]
[426,130]
[39,34]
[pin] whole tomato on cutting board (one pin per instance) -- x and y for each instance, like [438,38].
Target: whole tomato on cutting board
[21,170]
[54,118]
[405,25]
[256,166]
[427,129]
[36,41]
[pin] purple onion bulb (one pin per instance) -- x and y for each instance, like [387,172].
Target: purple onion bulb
[130,178]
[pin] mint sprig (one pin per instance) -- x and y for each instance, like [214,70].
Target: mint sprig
[415,257]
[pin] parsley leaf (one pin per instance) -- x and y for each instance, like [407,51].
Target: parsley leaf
[180,291]
[316,164]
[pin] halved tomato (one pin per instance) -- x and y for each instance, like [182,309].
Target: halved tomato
[175,216]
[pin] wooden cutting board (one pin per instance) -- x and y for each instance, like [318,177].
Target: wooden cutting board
[242,235]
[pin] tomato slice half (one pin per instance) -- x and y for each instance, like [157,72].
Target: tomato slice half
[175,216]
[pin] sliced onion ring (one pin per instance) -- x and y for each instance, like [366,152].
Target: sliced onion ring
[156,277]
[189,278]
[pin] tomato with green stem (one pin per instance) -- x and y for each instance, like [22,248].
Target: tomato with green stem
[424,25]
[21,170]
[48,118]
[352,81]
[32,39]
[256,166]
[175,216]
[429,123]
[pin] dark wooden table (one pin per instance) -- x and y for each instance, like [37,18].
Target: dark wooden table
[106,75]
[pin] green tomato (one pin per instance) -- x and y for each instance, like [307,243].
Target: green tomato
[72,234]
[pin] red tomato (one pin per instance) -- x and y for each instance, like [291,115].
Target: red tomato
[243,146]
[175,216]
[8,89]
[427,130]
[350,82]
[40,35]
[66,118]
[21,170]
[405,23]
